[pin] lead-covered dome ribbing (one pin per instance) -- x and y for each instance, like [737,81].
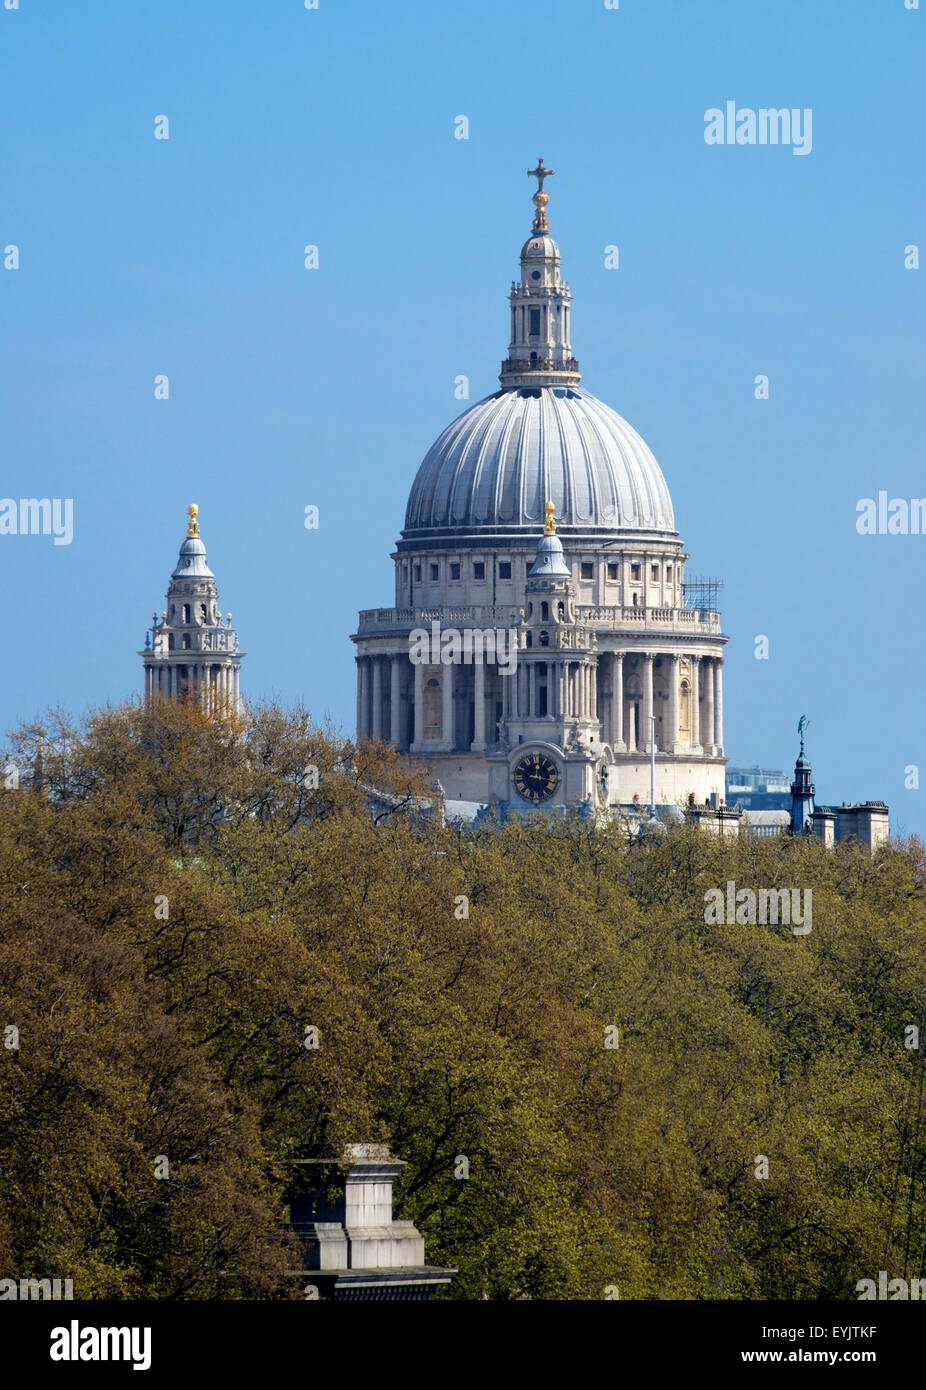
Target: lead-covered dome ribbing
[498,463]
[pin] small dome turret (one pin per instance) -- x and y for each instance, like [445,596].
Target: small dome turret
[550,560]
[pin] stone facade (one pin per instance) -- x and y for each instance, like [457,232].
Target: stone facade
[635,641]
[868,822]
[352,1247]
[189,650]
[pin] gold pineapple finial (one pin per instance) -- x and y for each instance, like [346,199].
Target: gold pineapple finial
[192,530]
[549,526]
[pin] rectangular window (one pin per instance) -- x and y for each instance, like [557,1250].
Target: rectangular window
[655,571]
[504,569]
[588,569]
[669,574]
[535,322]
[454,571]
[434,572]
[612,570]
[417,574]
[634,571]
[479,569]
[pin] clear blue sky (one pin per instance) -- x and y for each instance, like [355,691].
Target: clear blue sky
[290,387]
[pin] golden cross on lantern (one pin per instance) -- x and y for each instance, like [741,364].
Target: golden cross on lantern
[540,173]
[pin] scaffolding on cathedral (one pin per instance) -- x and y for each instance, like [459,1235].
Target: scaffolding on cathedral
[702,593]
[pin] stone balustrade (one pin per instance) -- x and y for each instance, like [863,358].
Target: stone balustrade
[608,616]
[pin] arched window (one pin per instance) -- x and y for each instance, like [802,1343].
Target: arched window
[544,637]
[185,613]
[186,642]
[203,613]
[544,612]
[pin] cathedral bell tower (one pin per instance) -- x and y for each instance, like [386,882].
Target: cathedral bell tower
[549,748]
[189,651]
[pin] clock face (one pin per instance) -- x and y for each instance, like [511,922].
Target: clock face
[536,777]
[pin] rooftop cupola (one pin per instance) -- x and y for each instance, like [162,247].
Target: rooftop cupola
[539,353]
[191,563]
[191,649]
[550,560]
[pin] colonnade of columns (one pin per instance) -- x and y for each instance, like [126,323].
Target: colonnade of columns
[572,692]
[382,686]
[571,686]
[216,686]
[706,727]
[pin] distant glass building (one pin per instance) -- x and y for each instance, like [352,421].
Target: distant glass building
[758,789]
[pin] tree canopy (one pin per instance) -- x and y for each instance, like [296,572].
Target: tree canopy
[182,898]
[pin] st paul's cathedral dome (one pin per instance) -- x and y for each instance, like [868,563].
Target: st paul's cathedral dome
[539,515]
